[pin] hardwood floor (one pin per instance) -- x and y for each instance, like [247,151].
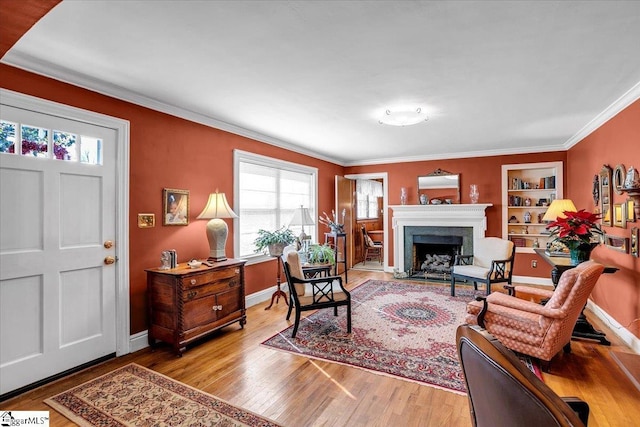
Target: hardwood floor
[297,391]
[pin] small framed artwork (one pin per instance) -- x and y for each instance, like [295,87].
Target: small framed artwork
[175,207]
[631,213]
[146,220]
[620,215]
[617,243]
[635,242]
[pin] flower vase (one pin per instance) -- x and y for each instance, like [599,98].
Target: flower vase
[474,194]
[581,253]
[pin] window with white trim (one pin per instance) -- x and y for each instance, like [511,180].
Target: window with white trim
[367,194]
[267,191]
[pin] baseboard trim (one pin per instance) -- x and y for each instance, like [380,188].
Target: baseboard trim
[140,340]
[620,331]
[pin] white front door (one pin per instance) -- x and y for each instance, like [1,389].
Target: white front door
[57,239]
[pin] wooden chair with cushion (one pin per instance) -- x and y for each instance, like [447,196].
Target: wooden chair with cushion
[540,331]
[504,392]
[372,250]
[313,294]
[491,262]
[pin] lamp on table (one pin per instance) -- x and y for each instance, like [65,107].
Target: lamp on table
[217,230]
[302,217]
[557,208]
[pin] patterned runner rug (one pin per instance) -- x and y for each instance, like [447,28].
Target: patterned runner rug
[403,330]
[135,396]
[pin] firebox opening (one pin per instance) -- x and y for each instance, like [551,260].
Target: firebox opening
[433,256]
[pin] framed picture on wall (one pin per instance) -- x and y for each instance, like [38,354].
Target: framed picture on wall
[617,243]
[620,215]
[175,207]
[635,242]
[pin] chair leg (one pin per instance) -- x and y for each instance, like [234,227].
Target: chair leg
[349,318]
[453,286]
[296,323]
[335,310]
[488,287]
[290,307]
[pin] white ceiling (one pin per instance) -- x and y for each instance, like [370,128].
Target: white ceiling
[495,77]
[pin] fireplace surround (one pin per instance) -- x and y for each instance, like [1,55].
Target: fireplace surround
[440,220]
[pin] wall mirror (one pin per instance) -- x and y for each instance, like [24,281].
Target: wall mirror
[619,175]
[440,185]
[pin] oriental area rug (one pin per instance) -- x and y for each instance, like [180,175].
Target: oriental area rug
[402,330]
[137,396]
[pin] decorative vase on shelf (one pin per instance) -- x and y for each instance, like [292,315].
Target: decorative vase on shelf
[403,196]
[473,193]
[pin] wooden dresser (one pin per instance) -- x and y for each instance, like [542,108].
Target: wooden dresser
[185,304]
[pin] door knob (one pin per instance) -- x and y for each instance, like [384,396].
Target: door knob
[109,260]
[108,244]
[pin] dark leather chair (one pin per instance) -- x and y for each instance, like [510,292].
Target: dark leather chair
[321,292]
[504,392]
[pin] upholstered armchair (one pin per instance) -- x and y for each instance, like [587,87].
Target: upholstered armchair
[491,262]
[540,331]
[313,294]
[503,392]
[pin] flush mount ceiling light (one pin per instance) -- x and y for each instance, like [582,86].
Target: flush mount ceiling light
[403,117]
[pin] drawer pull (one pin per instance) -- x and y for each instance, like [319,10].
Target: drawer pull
[193,281]
[237,271]
[216,308]
[191,294]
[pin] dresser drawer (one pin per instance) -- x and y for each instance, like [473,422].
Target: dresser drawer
[210,288]
[210,276]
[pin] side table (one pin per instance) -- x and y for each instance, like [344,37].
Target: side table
[335,239]
[312,271]
[582,329]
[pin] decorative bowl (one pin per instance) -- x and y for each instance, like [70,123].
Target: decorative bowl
[436,201]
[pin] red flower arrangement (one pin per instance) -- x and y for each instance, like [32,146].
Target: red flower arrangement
[576,229]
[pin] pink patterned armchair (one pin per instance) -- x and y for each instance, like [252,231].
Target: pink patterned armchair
[530,328]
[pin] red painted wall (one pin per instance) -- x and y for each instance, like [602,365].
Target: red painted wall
[615,142]
[485,172]
[168,152]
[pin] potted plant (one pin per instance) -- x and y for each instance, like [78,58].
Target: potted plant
[321,254]
[274,241]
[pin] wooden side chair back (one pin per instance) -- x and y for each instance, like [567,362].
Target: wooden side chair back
[372,250]
[504,392]
[313,294]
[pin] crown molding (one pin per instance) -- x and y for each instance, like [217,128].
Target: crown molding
[28,63]
[611,111]
[459,155]
[65,75]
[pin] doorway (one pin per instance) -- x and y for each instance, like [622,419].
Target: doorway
[64,288]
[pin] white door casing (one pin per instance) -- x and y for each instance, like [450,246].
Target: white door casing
[60,305]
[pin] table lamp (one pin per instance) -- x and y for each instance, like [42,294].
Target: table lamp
[302,217]
[217,230]
[557,208]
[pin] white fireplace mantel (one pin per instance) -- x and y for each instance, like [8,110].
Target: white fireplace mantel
[455,215]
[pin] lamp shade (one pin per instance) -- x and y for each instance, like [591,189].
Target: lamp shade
[217,230]
[557,208]
[301,217]
[217,207]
